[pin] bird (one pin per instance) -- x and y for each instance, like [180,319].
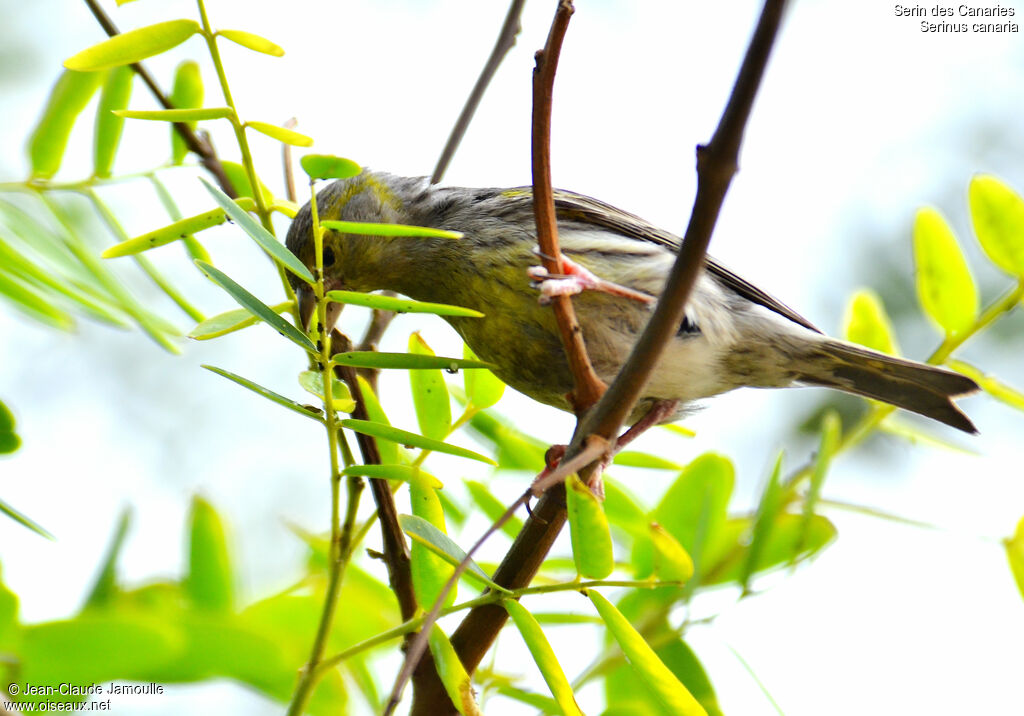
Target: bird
[732,335]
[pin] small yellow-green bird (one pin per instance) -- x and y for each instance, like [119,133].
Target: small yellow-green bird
[733,334]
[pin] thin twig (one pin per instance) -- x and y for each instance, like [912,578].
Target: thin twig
[286,161]
[202,149]
[716,164]
[505,42]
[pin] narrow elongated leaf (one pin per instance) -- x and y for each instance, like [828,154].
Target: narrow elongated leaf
[588,528]
[661,681]
[403,473]
[492,507]
[341,399]
[239,178]
[133,46]
[419,529]
[399,305]
[210,582]
[544,704]
[868,324]
[105,588]
[390,453]
[186,93]
[429,394]
[255,306]
[34,305]
[404,361]
[306,410]
[281,134]
[67,100]
[997,212]
[515,450]
[764,521]
[945,286]
[373,229]
[116,92]
[404,437]
[1015,555]
[670,561]
[21,519]
[177,231]
[991,385]
[430,571]
[623,509]
[193,114]
[544,657]
[483,388]
[453,675]
[9,440]
[324,166]
[229,322]
[278,251]
[632,458]
[831,432]
[252,42]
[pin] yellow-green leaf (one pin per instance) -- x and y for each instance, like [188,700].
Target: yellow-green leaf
[325,166]
[404,437]
[172,232]
[420,530]
[1015,555]
[186,93]
[991,385]
[50,137]
[399,305]
[492,507]
[209,582]
[195,114]
[390,452]
[239,178]
[375,229]
[483,388]
[997,212]
[430,572]
[312,381]
[281,134]
[307,410]
[453,674]
[670,561]
[588,530]
[544,657]
[429,394]
[116,92]
[945,286]
[868,324]
[658,677]
[229,322]
[252,42]
[133,46]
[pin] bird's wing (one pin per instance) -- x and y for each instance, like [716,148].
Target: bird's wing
[583,209]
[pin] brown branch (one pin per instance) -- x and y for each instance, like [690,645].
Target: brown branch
[505,42]
[203,149]
[716,165]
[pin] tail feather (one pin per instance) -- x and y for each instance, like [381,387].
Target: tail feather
[923,389]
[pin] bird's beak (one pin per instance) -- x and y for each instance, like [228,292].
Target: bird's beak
[307,306]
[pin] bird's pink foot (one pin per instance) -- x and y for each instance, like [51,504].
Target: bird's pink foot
[577,279]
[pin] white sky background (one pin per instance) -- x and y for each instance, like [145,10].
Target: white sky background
[861,120]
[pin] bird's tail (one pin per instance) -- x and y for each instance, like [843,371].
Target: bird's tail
[913,386]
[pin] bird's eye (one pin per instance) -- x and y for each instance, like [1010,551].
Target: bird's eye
[328,257]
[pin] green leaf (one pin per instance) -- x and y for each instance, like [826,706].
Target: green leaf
[17,516]
[631,458]
[281,134]
[997,212]
[278,251]
[116,92]
[375,229]
[324,166]
[257,307]
[399,305]
[544,657]
[492,507]
[945,286]
[544,704]
[390,453]
[209,583]
[252,42]
[483,388]
[402,473]
[626,694]
[67,100]
[239,178]
[33,305]
[405,361]
[312,381]
[868,324]
[307,410]
[430,571]
[991,385]
[453,675]
[9,440]
[515,450]
[623,509]
[767,510]
[404,437]
[693,509]
[659,679]
[429,394]
[831,432]
[105,589]
[422,531]
[1015,555]
[133,46]
[193,114]
[229,322]
[172,232]
[588,529]
[187,93]
[669,560]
